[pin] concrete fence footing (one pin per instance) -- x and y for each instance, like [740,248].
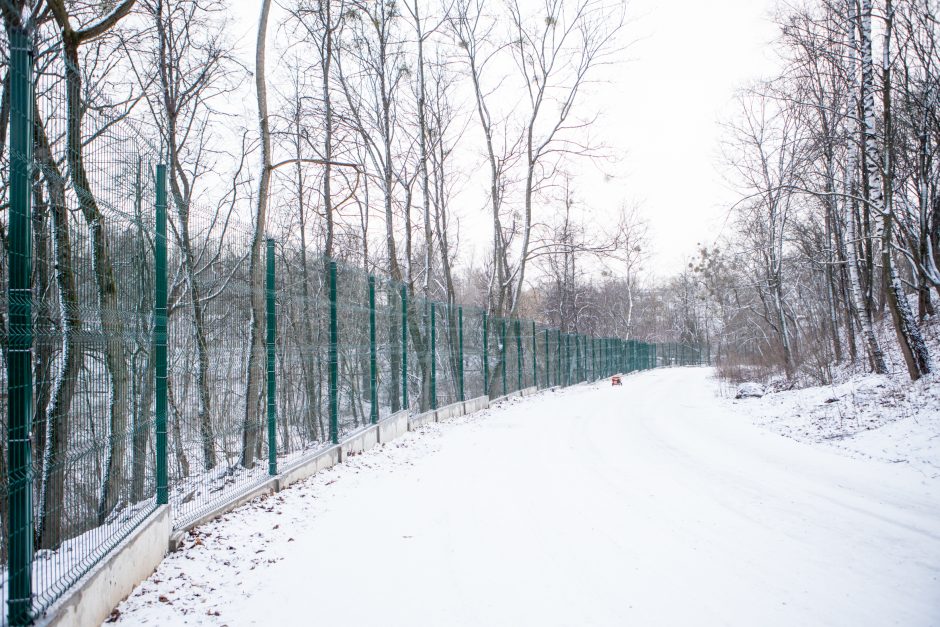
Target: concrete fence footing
[92,598]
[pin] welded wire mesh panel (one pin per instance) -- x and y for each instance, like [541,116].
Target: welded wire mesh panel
[302,340]
[473,352]
[419,353]
[447,354]
[216,437]
[90,419]
[515,357]
[498,339]
[570,357]
[388,327]
[542,356]
[353,349]
[535,352]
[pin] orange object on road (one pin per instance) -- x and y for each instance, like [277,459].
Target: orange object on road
[615,380]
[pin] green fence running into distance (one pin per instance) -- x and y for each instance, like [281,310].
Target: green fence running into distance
[127,337]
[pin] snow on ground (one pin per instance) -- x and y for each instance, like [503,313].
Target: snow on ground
[655,503]
[887,418]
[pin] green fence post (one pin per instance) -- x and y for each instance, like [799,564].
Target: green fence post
[159,336]
[433,359]
[404,347]
[558,379]
[502,352]
[373,357]
[20,338]
[535,357]
[460,350]
[272,382]
[519,364]
[486,359]
[334,360]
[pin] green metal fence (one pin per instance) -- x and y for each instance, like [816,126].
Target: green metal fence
[128,335]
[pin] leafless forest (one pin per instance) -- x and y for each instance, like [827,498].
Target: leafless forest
[834,240]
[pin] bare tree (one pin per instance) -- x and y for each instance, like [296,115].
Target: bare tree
[255,371]
[880,168]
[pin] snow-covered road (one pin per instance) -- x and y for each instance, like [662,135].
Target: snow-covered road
[654,503]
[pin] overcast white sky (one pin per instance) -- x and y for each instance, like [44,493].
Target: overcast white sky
[689,59]
[662,112]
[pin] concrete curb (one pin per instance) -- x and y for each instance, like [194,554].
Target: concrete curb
[393,427]
[91,599]
[519,393]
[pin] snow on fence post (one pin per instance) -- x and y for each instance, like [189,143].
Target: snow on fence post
[433,358]
[404,347]
[333,360]
[460,351]
[160,336]
[373,358]
[271,321]
[20,334]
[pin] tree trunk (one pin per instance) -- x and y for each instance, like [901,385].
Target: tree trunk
[881,194]
[856,290]
[255,370]
[50,520]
